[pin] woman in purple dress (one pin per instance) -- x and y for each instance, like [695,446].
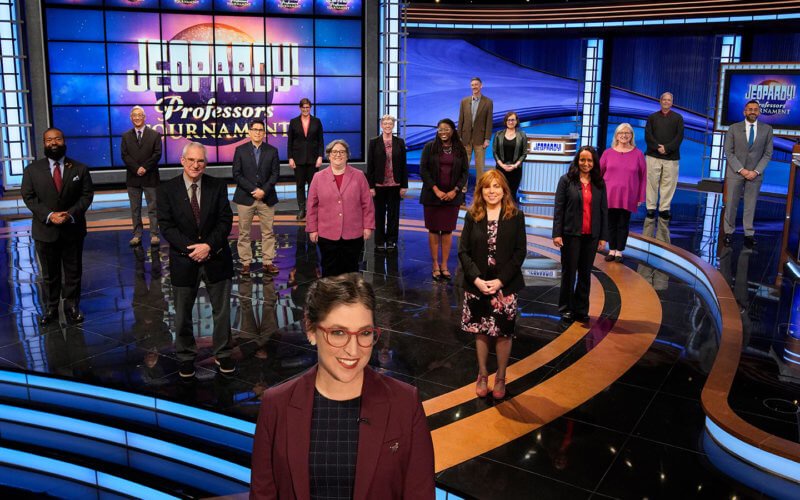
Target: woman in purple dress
[444,167]
[491,250]
[625,173]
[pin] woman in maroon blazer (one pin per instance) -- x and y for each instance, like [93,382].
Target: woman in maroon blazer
[341,430]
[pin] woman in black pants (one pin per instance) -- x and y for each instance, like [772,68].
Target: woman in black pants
[388,182]
[580,228]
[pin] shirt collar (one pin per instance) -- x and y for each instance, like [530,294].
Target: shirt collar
[188,182]
[52,162]
[141,129]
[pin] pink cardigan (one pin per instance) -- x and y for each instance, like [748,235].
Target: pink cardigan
[336,214]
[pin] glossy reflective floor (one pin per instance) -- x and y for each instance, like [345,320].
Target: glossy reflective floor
[632,428]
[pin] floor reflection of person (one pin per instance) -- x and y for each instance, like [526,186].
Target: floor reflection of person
[492,250]
[341,430]
[306,267]
[625,174]
[341,213]
[255,329]
[149,304]
[388,181]
[657,228]
[510,146]
[580,229]
[444,168]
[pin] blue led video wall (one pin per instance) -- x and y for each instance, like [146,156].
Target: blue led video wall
[536,78]
[202,69]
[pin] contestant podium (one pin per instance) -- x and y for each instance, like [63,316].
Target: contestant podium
[547,160]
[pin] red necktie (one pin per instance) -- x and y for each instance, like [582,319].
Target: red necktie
[57,177]
[195,205]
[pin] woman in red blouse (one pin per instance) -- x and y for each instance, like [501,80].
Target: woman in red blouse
[580,228]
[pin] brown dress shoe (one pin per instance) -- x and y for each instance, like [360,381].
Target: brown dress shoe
[246,269]
[271,269]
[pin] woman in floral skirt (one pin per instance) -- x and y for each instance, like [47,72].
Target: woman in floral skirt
[492,250]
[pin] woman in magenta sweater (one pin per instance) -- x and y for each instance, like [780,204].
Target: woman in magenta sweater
[625,173]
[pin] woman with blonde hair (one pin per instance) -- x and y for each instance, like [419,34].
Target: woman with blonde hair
[625,174]
[491,251]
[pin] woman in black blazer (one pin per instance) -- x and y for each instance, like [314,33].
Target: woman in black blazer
[444,168]
[580,228]
[388,182]
[492,250]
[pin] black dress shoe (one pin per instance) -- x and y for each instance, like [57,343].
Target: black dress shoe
[581,318]
[665,215]
[749,241]
[651,214]
[73,315]
[49,316]
[567,317]
[727,239]
[391,247]
[186,369]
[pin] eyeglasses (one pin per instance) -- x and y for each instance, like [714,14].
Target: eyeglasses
[335,152]
[339,337]
[259,130]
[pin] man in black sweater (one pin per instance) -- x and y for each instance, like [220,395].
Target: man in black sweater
[663,134]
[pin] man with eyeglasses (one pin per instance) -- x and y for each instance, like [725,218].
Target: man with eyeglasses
[195,218]
[255,171]
[141,152]
[304,146]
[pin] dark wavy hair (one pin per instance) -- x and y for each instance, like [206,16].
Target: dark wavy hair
[574,172]
[458,147]
[327,293]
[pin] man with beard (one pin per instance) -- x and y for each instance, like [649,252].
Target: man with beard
[58,191]
[141,151]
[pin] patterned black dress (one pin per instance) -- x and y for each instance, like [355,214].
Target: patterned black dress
[494,315]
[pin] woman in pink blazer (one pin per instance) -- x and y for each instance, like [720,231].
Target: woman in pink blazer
[340,214]
[341,430]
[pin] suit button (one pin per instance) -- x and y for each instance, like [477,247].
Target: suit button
[340,215]
[340,201]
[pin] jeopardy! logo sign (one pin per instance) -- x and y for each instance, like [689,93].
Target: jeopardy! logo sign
[773,96]
[546,147]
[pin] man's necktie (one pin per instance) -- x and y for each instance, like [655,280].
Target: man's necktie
[195,204]
[752,136]
[139,137]
[57,177]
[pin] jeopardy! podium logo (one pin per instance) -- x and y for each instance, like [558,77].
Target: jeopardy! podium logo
[547,147]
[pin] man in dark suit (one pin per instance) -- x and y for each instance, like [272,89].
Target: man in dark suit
[255,171]
[195,218]
[475,124]
[304,146]
[58,191]
[748,146]
[141,151]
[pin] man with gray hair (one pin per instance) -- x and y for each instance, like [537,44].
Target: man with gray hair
[195,218]
[663,134]
[141,152]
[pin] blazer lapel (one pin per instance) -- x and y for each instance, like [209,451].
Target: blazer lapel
[348,176]
[299,433]
[375,415]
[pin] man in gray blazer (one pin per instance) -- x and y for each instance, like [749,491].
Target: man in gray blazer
[748,146]
[141,152]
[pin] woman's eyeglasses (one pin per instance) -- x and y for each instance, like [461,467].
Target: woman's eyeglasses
[339,337]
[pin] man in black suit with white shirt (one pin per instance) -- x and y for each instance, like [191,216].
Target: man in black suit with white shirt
[141,152]
[58,191]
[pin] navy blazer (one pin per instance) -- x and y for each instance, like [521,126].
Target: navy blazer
[41,197]
[249,176]
[376,161]
[395,451]
[510,252]
[305,149]
[568,214]
[176,221]
[145,154]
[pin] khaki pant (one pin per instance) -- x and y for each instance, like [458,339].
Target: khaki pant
[266,215]
[662,180]
[480,158]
